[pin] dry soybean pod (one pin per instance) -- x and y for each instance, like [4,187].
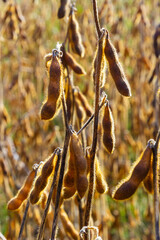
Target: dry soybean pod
[84,102]
[49,108]
[62,8]
[47,59]
[108,129]
[127,187]
[79,110]
[100,57]
[68,225]
[68,192]
[69,98]
[156,43]
[101,184]
[69,60]
[74,34]
[116,69]
[41,181]
[69,177]
[23,193]
[80,164]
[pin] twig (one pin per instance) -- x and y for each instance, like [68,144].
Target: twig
[90,119]
[156,186]
[58,152]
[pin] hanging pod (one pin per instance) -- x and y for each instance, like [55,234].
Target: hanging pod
[50,107]
[80,163]
[62,8]
[42,180]
[116,68]
[23,193]
[127,187]
[108,129]
[75,39]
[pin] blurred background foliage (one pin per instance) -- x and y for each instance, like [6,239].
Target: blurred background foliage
[25,139]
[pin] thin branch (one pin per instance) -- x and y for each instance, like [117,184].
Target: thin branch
[90,119]
[40,234]
[156,186]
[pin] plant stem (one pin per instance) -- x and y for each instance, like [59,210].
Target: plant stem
[59,188]
[156,186]
[58,152]
[96,19]
[95,131]
[24,219]
[61,175]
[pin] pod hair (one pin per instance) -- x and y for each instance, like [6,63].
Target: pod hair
[127,187]
[116,68]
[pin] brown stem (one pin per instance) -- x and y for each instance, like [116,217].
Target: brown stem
[23,220]
[61,175]
[40,234]
[95,133]
[156,186]
[80,211]
[96,19]
[59,188]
